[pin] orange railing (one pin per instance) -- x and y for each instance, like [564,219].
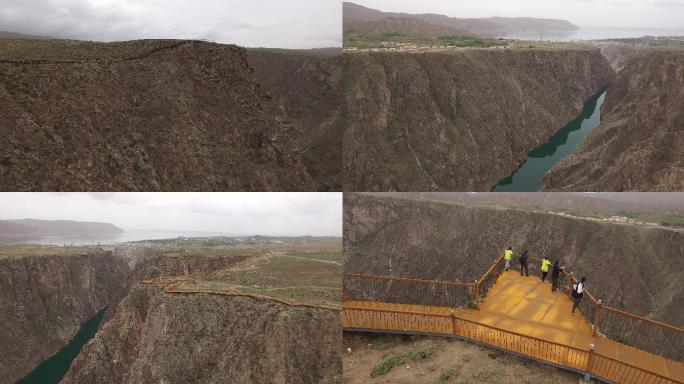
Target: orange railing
[401,290]
[583,360]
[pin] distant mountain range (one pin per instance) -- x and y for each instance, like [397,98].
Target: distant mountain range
[670,203]
[38,228]
[362,19]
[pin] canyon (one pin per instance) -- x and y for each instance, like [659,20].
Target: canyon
[176,313]
[458,119]
[465,119]
[45,298]
[307,85]
[639,145]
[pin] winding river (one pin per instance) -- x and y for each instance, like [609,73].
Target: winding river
[530,176]
[52,370]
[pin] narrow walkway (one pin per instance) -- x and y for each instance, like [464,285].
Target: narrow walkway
[522,315]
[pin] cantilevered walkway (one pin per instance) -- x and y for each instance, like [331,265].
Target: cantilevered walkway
[520,315]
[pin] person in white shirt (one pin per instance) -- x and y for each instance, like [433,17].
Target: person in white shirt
[577,293]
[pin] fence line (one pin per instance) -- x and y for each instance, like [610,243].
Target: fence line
[584,360]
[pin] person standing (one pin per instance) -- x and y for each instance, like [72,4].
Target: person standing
[555,275]
[577,293]
[508,256]
[523,264]
[545,266]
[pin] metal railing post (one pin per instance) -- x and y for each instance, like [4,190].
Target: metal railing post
[597,317]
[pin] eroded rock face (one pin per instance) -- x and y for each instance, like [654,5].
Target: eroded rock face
[460,120]
[639,145]
[204,338]
[307,85]
[151,115]
[619,55]
[634,268]
[45,299]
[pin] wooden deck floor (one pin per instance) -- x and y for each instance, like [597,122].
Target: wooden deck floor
[522,315]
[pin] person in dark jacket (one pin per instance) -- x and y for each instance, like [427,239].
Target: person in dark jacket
[555,275]
[523,264]
[577,293]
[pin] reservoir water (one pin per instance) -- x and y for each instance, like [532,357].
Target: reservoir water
[530,176]
[52,370]
[126,236]
[596,33]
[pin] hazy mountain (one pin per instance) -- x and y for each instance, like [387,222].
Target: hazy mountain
[32,227]
[363,19]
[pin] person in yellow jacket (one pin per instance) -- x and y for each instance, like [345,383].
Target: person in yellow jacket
[545,266]
[508,256]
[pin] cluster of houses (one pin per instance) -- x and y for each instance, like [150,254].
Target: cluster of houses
[612,219]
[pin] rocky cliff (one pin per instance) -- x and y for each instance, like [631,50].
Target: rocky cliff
[45,299]
[458,120]
[204,338]
[142,115]
[307,85]
[639,145]
[446,241]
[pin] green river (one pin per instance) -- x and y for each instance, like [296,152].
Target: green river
[530,176]
[52,370]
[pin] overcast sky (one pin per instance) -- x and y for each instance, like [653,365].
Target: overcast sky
[251,23]
[286,214]
[609,13]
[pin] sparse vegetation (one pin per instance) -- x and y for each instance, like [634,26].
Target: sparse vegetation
[452,372]
[388,362]
[470,41]
[324,256]
[365,40]
[385,342]
[390,134]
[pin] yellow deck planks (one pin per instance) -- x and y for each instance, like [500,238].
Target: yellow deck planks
[525,306]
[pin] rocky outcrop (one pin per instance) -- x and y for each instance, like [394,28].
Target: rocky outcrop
[45,299]
[619,55]
[145,115]
[307,85]
[639,145]
[204,338]
[447,241]
[458,120]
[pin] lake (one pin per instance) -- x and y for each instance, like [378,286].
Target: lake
[595,33]
[128,235]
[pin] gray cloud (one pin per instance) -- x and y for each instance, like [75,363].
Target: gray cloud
[236,213]
[262,23]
